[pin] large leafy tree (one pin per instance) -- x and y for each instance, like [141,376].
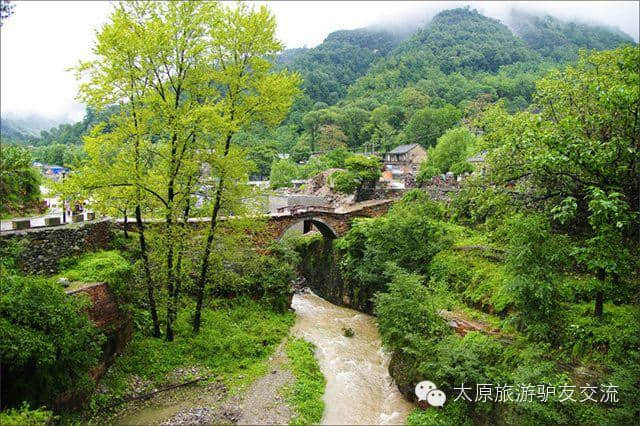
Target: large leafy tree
[578,157]
[187,77]
[243,45]
[449,154]
[428,124]
[19,181]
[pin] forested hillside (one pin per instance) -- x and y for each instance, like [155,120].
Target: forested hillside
[369,89]
[560,40]
[413,90]
[338,61]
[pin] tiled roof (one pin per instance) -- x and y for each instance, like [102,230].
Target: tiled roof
[403,149]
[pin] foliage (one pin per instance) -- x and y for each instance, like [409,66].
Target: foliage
[60,154]
[464,39]
[283,171]
[101,266]
[306,393]
[407,318]
[408,235]
[234,343]
[560,40]
[329,68]
[427,125]
[48,343]
[453,413]
[19,181]
[449,154]
[578,167]
[263,277]
[26,416]
[361,171]
[187,77]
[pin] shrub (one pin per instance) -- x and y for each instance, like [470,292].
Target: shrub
[25,416]
[449,154]
[283,171]
[344,181]
[407,319]
[48,343]
[102,266]
[454,413]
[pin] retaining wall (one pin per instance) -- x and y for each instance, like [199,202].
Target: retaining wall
[44,247]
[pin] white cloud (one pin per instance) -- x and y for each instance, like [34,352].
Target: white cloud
[44,38]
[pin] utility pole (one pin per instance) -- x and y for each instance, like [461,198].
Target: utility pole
[64,208]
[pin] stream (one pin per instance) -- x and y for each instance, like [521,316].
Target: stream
[359,389]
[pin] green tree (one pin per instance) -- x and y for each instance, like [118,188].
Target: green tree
[313,121]
[362,173]
[283,171]
[243,44]
[263,155]
[352,121]
[19,181]
[578,157]
[48,343]
[451,152]
[428,124]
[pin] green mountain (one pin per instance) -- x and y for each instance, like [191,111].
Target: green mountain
[463,39]
[559,40]
[329,68]
[23,129]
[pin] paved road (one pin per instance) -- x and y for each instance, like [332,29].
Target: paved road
[36,221]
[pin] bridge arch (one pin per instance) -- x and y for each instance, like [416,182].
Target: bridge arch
[325,228]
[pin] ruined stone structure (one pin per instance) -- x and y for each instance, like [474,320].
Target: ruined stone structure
[45,246]
[104,312]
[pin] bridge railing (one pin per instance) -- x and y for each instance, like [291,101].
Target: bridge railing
[305,209]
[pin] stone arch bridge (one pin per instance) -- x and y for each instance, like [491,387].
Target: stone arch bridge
[331,222]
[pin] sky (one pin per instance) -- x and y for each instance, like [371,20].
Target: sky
[44,38]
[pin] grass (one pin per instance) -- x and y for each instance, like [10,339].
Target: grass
[108,265]
[305,396]
[233,345]
[26,416]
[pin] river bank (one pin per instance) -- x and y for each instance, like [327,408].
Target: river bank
[358,387]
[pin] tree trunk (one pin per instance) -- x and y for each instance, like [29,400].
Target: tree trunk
[600,295]
[170,271]
[202,279]
[147,272]
[205,258]
[126,231]
[176,290]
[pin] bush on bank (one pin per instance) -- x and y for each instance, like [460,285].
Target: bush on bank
[47,341]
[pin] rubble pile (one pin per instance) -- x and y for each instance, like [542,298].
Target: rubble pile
[319,186]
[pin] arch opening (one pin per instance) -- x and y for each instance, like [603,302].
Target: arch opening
[309,223]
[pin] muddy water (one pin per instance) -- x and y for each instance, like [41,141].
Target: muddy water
[359,389]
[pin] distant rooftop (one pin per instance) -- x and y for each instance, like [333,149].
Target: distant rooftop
[403,149]
[478,158]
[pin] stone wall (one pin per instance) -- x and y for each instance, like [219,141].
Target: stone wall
[44,247]
[320,269]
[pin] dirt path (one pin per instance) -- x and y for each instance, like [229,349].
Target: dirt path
[264,402]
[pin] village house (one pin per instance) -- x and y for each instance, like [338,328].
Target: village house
[477,161]
[403,160]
